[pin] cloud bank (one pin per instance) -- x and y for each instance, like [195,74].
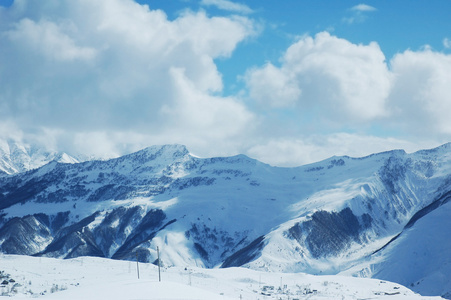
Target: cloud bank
[108,77]
[346,87]
[94,68]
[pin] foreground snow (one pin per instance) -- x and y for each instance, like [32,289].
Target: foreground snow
[97,278]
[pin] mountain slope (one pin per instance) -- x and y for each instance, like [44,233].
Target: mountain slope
[322,218]
[419,257]
[357,215]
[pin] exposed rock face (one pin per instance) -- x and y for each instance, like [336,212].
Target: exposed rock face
[328,233]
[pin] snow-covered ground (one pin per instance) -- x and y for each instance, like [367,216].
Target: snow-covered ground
[98,278]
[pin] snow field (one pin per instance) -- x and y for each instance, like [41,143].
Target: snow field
[98,278]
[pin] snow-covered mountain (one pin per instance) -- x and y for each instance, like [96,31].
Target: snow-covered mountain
[18,157]
[337,215]
[419,257]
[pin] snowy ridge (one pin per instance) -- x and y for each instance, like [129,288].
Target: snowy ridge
[16,157]
[322,218]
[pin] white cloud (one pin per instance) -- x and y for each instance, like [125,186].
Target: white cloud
[358,13]
[363,8]
[347,82]
[108,77]
[103,69]
[10,131]
[312,148]
[447,43]
[198,112]
[273,86]
[47,38]
[327,84]
[228,5]
[420,100]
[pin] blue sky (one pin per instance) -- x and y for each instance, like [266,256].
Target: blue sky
[286,82]
[395,25]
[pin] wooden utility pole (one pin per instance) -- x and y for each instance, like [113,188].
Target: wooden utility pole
[137,264]
[159,273]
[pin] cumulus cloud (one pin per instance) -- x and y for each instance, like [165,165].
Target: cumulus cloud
[47,39]
[420,99]
[347,82]
[222,121]
[273,86]
[115,66]
[327,84]
[228,5]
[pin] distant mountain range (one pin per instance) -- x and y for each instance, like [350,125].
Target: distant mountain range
[382,216]
[18,157]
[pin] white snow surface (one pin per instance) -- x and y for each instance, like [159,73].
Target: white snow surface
[97,278]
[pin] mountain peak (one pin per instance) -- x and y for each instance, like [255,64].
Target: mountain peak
[170,152]
[170,148]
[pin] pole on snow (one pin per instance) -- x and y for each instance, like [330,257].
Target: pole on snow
[137,265]
[159,273]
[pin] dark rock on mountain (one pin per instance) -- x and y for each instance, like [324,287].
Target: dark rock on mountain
[25,235]
[328,233]
[245,255]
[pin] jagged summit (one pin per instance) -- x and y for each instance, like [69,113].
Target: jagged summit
[440,149]
[18,157]
[166,152]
